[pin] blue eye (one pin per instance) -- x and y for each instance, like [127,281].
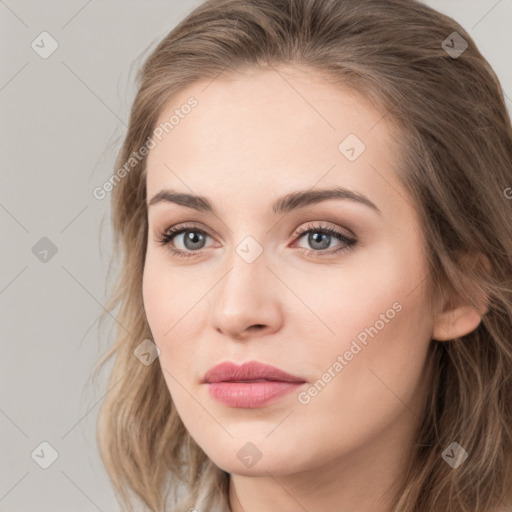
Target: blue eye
[319,237]
[193,239]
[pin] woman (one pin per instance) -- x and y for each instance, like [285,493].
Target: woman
[311,212]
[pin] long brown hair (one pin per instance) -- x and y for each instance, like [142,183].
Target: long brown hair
[412,63]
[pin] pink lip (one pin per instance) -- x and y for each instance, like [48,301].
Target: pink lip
[251,385]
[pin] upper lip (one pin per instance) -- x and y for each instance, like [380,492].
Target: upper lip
[249,371]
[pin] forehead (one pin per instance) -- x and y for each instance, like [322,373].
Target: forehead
[278,129]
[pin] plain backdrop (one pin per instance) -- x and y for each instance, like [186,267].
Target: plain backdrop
[62,119]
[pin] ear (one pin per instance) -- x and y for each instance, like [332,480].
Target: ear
[458,317]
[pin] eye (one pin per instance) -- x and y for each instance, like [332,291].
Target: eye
[193,239]
[319,237]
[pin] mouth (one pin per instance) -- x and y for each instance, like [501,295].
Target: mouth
[250,385]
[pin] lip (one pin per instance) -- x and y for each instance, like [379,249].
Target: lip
[251,385]
[249,371]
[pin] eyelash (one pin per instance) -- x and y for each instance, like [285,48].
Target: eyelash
[350,243]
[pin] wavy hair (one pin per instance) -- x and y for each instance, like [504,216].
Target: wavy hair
[456,163]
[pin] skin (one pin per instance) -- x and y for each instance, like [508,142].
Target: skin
[252,138]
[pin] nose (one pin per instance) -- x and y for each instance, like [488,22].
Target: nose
[246,303]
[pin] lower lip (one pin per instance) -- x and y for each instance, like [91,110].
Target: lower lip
[250,394]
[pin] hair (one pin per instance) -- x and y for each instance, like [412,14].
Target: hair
[455,149]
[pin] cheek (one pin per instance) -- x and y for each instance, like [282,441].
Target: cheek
[153,293]
[382,331]
[368,290]
[379,377]
[173,308]
[168,294]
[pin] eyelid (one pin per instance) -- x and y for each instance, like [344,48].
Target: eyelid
[178,229]
[324,226]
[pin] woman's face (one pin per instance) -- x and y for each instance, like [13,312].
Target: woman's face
[257,277]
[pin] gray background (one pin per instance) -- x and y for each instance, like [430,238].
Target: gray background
[62,119]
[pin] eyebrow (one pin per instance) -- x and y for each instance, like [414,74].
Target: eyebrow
[284,204]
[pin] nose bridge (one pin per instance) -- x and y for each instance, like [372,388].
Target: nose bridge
[245,281]
[246,296]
